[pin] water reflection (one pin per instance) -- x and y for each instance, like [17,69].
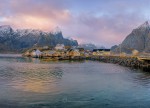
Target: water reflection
[31,82]
[35,85]
[31,77]
[141,78]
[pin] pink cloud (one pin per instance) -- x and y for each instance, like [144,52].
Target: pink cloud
[106,25]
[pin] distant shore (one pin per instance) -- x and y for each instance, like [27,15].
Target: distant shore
[142,63]
[129,61]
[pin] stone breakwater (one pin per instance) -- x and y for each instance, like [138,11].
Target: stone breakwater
[129,61]
[134,62]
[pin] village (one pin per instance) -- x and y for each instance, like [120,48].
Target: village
[61,52]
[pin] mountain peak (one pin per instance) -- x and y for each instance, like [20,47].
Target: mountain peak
[5,27]
[138,39]
[57,30]
[144,25]
[20,39]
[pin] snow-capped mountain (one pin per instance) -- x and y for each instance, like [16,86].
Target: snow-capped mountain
[56,30]
[5,28]
[144,26]
[20,39]
[88,46]
[138,39]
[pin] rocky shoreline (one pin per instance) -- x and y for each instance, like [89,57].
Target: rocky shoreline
[128,61]
[134,62]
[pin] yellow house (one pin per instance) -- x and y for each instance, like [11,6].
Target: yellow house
[73,53]
[27,53]
[101,52]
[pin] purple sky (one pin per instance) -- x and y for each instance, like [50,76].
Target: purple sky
[102,22]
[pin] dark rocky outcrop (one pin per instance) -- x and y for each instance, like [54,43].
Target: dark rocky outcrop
[114,47]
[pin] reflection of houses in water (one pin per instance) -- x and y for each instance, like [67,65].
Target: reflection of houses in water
[33,85]
[33,60]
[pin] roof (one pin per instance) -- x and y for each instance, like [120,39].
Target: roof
[94,50]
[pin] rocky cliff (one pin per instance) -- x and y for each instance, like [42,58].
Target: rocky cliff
[18,40]
[138,39]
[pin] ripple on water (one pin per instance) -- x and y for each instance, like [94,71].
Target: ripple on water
[30,82]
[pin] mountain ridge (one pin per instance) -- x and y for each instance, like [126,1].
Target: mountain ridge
[17,40]
[138,39]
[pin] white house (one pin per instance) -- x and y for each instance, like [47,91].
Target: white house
[60,47]
[45,47]
[36,53]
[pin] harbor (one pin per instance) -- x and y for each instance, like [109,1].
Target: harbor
[60,52]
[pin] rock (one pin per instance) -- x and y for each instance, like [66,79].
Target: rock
[138,39]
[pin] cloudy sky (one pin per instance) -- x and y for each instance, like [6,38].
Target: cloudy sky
[102,22]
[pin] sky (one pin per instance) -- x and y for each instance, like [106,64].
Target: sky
[101,22]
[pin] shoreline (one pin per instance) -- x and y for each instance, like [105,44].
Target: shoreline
[128,61]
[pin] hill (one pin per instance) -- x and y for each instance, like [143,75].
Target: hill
[138,39]
[17,40]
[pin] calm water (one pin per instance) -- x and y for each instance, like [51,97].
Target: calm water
[31,83]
